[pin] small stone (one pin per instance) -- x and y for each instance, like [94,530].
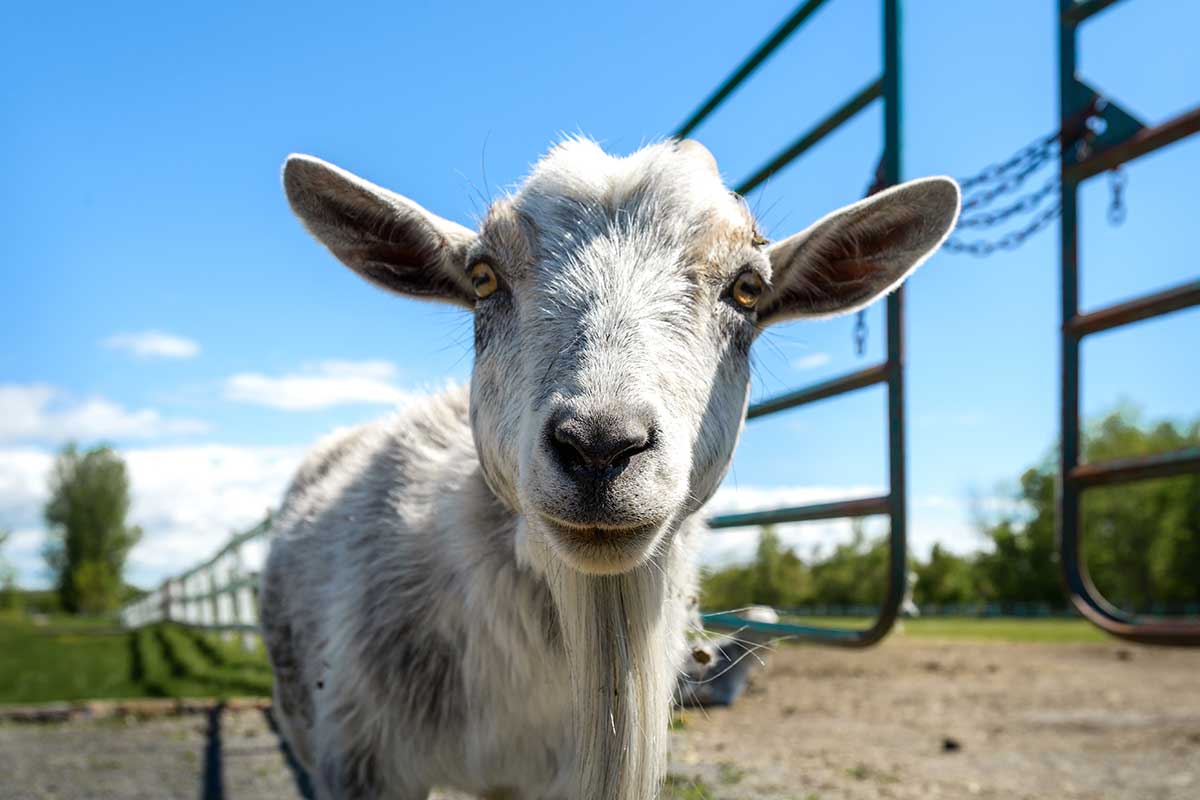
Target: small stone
[951,745]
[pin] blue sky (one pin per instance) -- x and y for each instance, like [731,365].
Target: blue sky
[160,295]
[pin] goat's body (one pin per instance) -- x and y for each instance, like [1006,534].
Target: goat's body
[414,637]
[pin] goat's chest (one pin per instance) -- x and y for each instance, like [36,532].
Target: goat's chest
[520,735]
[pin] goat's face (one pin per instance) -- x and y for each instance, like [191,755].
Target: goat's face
[615,303]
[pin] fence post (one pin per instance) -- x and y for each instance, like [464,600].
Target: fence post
[175,608]
[164,600]
[194,613]
[241,598]
[215,589]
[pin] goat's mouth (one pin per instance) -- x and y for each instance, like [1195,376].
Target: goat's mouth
[602,548]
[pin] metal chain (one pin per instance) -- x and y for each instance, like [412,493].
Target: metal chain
[1009,184]
[1038,151]
[1116,206]
[988,219]
[983,188]
[1009,241]
[860,333]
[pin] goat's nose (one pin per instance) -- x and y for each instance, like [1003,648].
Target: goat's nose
[597,446]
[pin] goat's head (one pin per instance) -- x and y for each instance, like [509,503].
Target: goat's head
[615,303]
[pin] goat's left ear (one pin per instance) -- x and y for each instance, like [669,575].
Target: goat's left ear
[860,252]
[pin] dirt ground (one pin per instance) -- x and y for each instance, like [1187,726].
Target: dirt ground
[910,719]
[920,719]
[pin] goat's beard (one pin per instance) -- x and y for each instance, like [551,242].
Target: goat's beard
[621,641]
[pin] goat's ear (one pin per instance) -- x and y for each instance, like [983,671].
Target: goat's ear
[862,251]
[388,239]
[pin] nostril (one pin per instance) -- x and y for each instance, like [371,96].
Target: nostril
[597,442]
[569,450]
[637,443]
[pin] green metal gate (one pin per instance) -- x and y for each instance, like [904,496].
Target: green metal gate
[889,372]
[1123,139]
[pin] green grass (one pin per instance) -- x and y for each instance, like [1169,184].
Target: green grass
[70,658]
[678,787]
[231,654]
[189,662]
[1000,629]
[1062,631]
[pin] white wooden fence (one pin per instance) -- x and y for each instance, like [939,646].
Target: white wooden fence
[221,594]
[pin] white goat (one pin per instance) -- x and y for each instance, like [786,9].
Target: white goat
[490,592]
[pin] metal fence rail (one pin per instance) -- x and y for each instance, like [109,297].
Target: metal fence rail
[890,372]
[220,594]
[1123,139]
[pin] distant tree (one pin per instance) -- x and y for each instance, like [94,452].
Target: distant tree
[777,577]
[855,573]
[88,538]
[9,597]
[1022,564]
[1141,540]
[946,579]
[728,588]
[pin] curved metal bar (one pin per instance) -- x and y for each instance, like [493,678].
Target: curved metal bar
[1075,478]
[1094,607]
[890,372]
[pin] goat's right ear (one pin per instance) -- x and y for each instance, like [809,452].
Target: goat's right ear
[388,239]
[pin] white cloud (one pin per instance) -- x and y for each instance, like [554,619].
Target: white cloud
[188,501]
[23,474]
[321,385]
[38,412]
[812,361]
[153,344]
[23,551]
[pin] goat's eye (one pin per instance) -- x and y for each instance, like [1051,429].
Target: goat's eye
[747,289]
[483,278]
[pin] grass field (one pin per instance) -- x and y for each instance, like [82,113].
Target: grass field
[68,658]
[1000,629]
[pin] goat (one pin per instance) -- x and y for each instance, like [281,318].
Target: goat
[489,591]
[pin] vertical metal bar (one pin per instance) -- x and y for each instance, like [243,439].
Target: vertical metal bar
[1068,457]
[897,575]
[891,91]
[1071,480]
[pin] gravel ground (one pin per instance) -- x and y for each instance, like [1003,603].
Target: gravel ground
[910,719]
